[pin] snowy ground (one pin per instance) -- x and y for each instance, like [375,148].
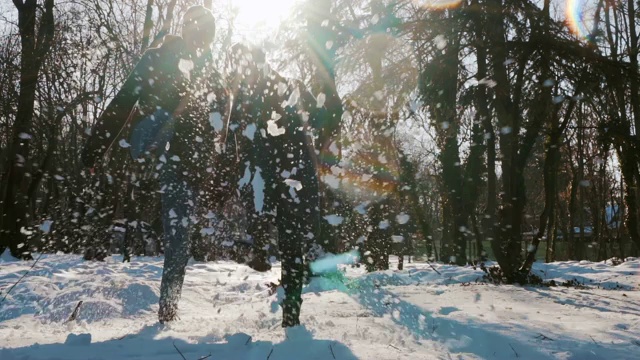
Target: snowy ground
[227,313]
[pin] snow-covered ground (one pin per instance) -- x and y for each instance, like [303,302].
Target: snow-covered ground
[226,313]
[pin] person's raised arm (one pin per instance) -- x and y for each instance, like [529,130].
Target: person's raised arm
[117,113]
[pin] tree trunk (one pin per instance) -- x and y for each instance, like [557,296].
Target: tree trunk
[328,116]
[13,194]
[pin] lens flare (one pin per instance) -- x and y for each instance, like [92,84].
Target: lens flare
[376,182]
[575,13]
[438,4]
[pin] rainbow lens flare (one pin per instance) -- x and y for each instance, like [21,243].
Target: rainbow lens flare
[576,18]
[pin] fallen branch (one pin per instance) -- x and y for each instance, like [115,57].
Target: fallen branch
[543,337]
[270,352]
[434,269]
[514,351]
[391,345]
[179,352]
[74,314]
[248,340]
[204,357]
[19,280]
[332,354]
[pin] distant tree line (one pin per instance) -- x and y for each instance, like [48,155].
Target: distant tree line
[485,129]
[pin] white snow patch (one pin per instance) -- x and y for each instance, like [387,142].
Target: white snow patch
[273,129]
[124,144]
[258,190]
[334,219]
[320,100]
[250,131]
[402,218]
[215,120]
[294,184]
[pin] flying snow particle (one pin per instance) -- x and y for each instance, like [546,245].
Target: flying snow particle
[172,214]
[384,224]
[331,180]
[440,41]
[215,119]
[250,131]
[506,130]
[488,82]
[124,144]
[334,219]
[282,88]
[45,227]
[402,218]
[246,178]
[185,67]
[320,100]
[294,184]
[397,239]
[337,170]
[273,129]
[258,190]
[334,148]
[362,208]
[24,136]
[294,97]
[207,231]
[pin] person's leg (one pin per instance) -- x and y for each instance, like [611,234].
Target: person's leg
[151,134]
[290,241]
[255,197]
[175,216]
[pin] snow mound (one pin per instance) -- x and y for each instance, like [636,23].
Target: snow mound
[416,313]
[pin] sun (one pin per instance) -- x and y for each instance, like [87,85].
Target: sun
[261,15]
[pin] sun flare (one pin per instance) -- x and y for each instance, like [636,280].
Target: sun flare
[259,15]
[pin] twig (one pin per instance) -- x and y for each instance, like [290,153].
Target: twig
[594,340]
[19,280]
[204,357]
[248,340]
[332,354]
[636,342]
[514,351]
[394,347]
[270,352]
[434,269]
[179,352]
[74,314]
[543,337]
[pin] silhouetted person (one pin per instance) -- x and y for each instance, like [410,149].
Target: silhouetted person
[165,101]
[277,178]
